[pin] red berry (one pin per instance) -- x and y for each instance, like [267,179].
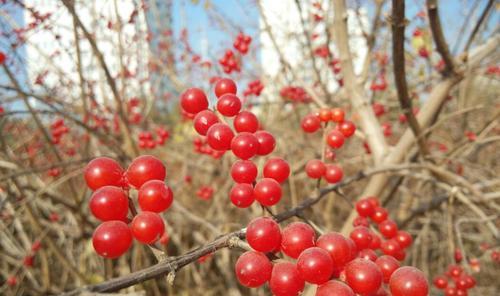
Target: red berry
[333,173]
[203,121]
[368,254]
[363,276]
[194,100]
[145,168]
[264,234]
[391,247]
[147,227]
[379,215]
[244,171]
[12,280]
[387,265]
[242,195]
[155,196]
[324,114]
[295,238]
[3,57]
[246,121]
[277,169]
[408,281]
[229,105]
[109,203]
[285,280]
[440,282]
[267,192]
[376,241]
[404,239]
[338,247]
[225,86]
[244,145]
[266,142]
[103,171]
[362,237]
[315,168]
[253,269]
[347,128]
[111,239]
[315,265]
[310,123]
[335,139]
[450,291]
[388,228]
[364,208]
[219,137]
[334,288]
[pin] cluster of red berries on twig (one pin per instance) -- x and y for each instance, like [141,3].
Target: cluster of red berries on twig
[242,43]
[295,94]
[336,264]
[230,62]
[248,142]
[455,282]
[110,202]
[148,141]
[254,87]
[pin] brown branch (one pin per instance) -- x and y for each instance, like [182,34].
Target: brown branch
[439,40]
[398,57]
[70,5]
[478,24]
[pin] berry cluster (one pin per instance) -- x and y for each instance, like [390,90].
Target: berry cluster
[295,94]
[247,143]
[331,261]
[230,62]
[110,202]
[242,43]
[254,87]
[312,122]
[148,141]
[205,192]
[58,129]
[462,282]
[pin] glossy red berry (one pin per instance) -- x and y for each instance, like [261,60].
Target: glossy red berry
[391,247]
[315,169]
[264,234]
[266,142]
[404,239]
[155,196]
[103,171]
[387,265]
[204,120]
[315,265]
[244,145]
[363,276]
[147,227]
[368,254]
[376,241]
[246,121]
[450,291]
[324,114]
[145,168]
[285,280]
[253,269]
[277,169]
[194,100]
[334,288]
[335,139]
[379,215]
[365,208]
[333,173]
[111,239]
[219,137]
[310,123]
[337,246]
[347,128]
[362,237]
[225,86]
[440,282]
[229,105]
[337,115]
[388,228]
[109,203]
[295,238]
[244,171]
[408,281]
[242,195]
[267,192]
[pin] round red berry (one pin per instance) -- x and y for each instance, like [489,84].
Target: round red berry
[242,195]
[103,171]
[277,169]
[244,145]
[111,239]
[147,227]
[285,280]
[109,203]
[244,171]
[315,265]
[264,234]
[336,288]
[266,142]
[408,281]
[315,169]
[333,173]
[155,196]
[267,192]
[229,105]
[253,269]
[295,238]
[219,137]
[204,120]
[363,276]
[246,121]
[310,123]
[225,86]
[194,100]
